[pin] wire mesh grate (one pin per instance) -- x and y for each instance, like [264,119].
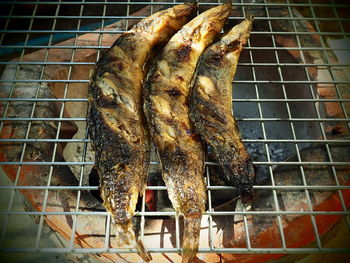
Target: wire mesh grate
[291,100]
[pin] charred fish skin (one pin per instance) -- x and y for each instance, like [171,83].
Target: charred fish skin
[115,117]
[211,107]
[166,108]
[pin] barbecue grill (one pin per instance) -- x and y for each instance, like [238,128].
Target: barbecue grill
[291,99]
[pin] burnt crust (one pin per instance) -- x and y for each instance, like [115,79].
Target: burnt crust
[115,119]
[210,109]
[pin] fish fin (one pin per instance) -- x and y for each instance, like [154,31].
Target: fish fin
[191,238]
[126,237]
[142,251]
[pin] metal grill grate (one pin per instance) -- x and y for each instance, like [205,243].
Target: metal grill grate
[48,47]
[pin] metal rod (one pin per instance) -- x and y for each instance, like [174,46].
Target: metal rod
[107,47]
[319,141]
[209,187]
[239,64]
[175,250]
[157,214]
[277,4]
[233,100]
[237,81]
[238,119]
[156,163]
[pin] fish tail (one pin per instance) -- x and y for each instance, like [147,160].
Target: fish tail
[142,251]
[191,238]
[126,237]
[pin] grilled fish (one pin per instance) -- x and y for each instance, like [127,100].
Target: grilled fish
[211,107]
[116,121]
[166,109]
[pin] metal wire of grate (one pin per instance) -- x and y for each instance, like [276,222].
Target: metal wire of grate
[290,93]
